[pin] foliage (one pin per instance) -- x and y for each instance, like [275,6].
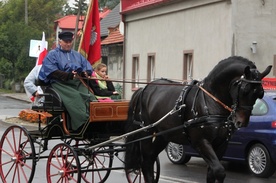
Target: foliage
[68,10]
[108,3]
[5,91]
[83,7]
[17,30]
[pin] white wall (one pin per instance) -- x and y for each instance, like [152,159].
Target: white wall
[203,26]
[255,20]
[213,29]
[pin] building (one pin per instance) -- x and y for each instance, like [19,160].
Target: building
[112,46]
[184,39]
[68,23]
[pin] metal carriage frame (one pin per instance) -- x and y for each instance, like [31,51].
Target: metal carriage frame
[86,156]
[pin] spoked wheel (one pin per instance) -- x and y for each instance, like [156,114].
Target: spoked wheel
[17,155]
[176,153]
[96,166]
[137,175]
[260,162]
[63,165]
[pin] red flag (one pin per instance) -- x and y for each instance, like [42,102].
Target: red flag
[40,58]
[43,51]
[90,44]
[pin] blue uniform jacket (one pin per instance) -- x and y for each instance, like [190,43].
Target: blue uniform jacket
[67,61]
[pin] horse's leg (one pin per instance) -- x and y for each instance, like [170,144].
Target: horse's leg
[147,170]
[216,171]
[151,150]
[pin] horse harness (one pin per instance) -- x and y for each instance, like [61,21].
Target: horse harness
[207,119]
[201,121]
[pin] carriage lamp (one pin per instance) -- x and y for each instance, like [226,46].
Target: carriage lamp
[254,47]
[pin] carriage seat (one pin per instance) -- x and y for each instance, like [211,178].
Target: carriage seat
[52,101]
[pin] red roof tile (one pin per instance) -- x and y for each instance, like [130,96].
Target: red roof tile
[69,22]
[104,13]
[113,37]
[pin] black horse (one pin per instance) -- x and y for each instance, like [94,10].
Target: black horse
[205,113]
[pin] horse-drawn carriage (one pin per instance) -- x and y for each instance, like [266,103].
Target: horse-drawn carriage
[203,112]
[74,158]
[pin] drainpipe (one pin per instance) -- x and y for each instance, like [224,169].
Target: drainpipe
[124,56]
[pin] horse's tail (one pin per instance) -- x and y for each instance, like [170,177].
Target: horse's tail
[133,154]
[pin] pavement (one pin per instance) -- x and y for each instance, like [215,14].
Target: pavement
[13,113]
[17,96]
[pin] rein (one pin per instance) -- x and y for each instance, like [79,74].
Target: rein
[193,123]
[215,99]
[174,82]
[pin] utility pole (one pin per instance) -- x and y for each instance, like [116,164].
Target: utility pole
[26,12]
[77,23]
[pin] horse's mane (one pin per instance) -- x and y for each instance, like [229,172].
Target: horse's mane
[165,80]
[229,68]
[232,63]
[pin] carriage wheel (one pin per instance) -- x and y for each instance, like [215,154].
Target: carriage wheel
[96,167]
[136,176]
[17,155]
[63,165]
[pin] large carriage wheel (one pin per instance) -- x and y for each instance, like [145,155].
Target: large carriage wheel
[63,165]
[96,166]
[17,155]
[137,176]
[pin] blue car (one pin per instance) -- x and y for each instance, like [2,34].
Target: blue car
[254,144]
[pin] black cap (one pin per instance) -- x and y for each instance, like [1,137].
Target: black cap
[66,36]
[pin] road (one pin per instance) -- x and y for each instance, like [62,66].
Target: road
[193,172]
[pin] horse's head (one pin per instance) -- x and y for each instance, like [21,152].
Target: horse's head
[244,92]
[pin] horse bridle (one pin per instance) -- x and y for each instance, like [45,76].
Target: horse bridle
[239,83]
[235,106]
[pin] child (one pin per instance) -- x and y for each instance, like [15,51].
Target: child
[103,88]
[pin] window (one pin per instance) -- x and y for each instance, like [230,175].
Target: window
[260,108]
[188,65]
[151,67]
[135,72]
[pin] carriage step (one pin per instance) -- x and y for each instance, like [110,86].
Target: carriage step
[48,108]
[37,133]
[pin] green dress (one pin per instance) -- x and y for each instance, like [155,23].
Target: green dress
[76,99]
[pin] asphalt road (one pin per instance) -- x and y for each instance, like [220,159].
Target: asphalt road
[193,172]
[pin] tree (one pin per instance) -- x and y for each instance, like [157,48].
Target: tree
[68,10]
[108,3]
[15,35]
[80,5]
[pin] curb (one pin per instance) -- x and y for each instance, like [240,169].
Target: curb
[27,125]
[16,98]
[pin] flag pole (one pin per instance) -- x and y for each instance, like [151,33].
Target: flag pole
[84,26]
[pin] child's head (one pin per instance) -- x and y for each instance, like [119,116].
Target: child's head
[101,69]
